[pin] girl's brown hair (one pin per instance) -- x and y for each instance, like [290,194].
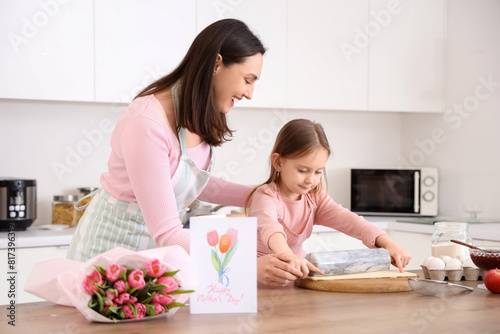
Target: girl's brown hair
[297,138]
[234,41]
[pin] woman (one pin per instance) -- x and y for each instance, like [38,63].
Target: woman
[162,149]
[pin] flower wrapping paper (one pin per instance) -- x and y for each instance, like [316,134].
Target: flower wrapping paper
[54,280]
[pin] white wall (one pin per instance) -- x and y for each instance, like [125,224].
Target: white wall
[467,149]
[357,139]
[39,140]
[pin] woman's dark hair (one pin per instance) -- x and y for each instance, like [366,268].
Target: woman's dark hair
[234,41]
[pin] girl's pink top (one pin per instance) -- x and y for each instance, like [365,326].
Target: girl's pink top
[295,219]
[145,154]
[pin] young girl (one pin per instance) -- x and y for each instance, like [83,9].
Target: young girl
[292,200]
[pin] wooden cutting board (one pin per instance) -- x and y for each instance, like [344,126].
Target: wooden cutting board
[377,281]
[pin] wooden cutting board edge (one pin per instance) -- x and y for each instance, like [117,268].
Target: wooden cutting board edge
[358,285]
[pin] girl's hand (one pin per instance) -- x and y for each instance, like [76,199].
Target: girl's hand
[277,243]
[304,266]
[400,257]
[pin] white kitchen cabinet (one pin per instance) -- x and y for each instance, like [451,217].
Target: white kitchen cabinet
[25,259]
[418,244]
[137,42]
[323,71]
[406,62]
[47,50]
[267,19]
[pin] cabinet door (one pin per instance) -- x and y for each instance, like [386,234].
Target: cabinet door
[138,42]
[327,58]
[418,244]
[25,259]
[267,19]
[406,63]
[47,50]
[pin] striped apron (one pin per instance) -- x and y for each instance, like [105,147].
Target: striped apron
[108,222]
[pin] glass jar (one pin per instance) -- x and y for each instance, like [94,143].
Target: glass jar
[82,193]
[446,231]
[63,210]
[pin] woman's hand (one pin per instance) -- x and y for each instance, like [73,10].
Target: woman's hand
[276,270]
[400,257]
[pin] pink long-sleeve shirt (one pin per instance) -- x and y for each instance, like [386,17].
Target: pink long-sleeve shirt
[144,157]
[295,219]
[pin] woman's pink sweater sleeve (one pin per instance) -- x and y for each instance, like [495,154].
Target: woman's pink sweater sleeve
[333,215]
[145,150]
[219,191]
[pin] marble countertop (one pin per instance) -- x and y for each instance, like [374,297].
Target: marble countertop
[37,236]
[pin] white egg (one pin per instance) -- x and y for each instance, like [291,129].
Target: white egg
[453,264]
[435,264]
[468,263]
[426,261]
[445,258]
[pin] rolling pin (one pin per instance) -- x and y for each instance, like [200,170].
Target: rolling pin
[350,261]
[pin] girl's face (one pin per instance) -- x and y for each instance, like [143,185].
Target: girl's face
[299,175]
[233,82]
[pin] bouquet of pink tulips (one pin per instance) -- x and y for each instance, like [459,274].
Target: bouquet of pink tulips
[119,293]
[119,285]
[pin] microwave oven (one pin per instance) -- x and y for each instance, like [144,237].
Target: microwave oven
[395,192]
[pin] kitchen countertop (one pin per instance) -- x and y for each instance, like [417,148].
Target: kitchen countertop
[36,236]
[480,231]
[296,310]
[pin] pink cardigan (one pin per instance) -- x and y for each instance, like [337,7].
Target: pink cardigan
[145,154]
[295,219]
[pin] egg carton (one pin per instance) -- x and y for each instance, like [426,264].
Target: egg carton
[466,273]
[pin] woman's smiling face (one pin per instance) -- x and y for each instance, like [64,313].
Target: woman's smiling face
[236,81]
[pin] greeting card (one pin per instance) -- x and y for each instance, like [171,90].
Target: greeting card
[224,251]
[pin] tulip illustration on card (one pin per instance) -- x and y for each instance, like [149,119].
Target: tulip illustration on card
[222,252]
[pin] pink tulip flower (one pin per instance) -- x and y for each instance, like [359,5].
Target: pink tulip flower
[113,272]
[111,296]
[233,233]
[154,268]
[162,299]
[213,238]
[120,286]
[136,279]
[127,311]
[123,298]
[158,308]
[89,284]
[169,282]
[141,310]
